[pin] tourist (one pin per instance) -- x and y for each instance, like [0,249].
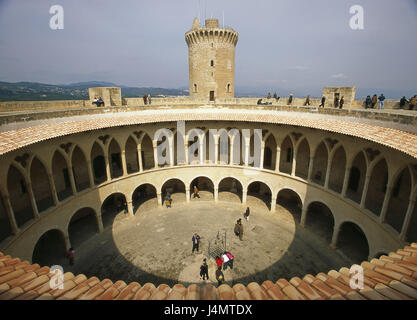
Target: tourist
[70,256]
[236,230]
[381,99]
[231,259]
[196,242]
[219,276]
[368,102]
[341,103]
[336,101]
[195,192]
[259,101]
[307,103]
[276,97]
[403,101]
[413,103]
[145,99]
[323,101]
[269,95]
[219,261]
[240,230]
[95,101]
[225,259]
[374,101]
[204,270]
[100,102]
[149,98]
[246,214]
[168,200]
[290,99]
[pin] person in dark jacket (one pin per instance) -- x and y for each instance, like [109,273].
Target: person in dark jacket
[145,99]
[307,103]
[246,214]
[240,230]
[237,228]
[196,241]
[323,101]
[219,276]
[290,99]
[381,99]
[374,101]
[341,103]
[403,101]
[368,102]
[204,270]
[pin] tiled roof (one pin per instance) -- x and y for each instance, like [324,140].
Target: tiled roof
[397,139]
[392,277]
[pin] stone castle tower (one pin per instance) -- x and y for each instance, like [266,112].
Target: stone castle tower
[211,59]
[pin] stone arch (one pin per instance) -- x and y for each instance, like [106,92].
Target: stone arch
[320,219]
[377,187]
[287,154]
[5,225]
[40,185]
[303,159]
[98,163]
[111,207]
[131,155]
[380,254]
[292,201]
[148,160]
[357,176]
[205,186]
[321,157]
[352,241]
[82,226]
[260,190]
[80,169]
[144,196]
[230,188]
[175,187]
[337,169]
[17,189]
[270,152]
[50,249]
[61,176]
[399,200]
[115,159]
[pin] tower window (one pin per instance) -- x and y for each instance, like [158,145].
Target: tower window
[195,87]
[212,63]
[228,87]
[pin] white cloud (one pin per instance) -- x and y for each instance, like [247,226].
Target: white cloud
[339,76]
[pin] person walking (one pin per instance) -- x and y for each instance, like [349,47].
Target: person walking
[219,261]
[231,259]
[368,102]
[374,101]
[341,103]
[403,101]
[240,230]
[204,270]
[381,99]
[196,242]
[290,99]
[145,99]
[195,192]
[237,228]
[70,256]
[225,259]
[246,214]
[323,101]
[307,103]
[149,98]
[219,276]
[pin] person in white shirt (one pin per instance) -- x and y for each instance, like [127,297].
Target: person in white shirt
[225,259]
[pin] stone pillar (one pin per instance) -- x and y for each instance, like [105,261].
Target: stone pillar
[171,151]
[124,165]
[345,182]
[130,209]
[277,160]
[303,216]
[261,165]
[90,174]
[159,197]
[335,237]
[186,153]
[385,204]
[10,213]
[187,194]
[310,168]
[53,188]
[273,203]
[326,181]
[365,191]
[216,151]
[407,220]
[246,159]
[67,243]
[294,163]
[216,194]
[108,172]
[139,148]
[33,201]
[231,151]
[100,223]
[72,180]
[244,195]
[155,153]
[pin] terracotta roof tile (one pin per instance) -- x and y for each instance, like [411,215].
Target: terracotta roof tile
[11,294]
[224,292]
[289,290]
[108,294]
[129,292]
[92,293]
[193,292]
[390,293]
[404,289]
[142,294]
[306,289]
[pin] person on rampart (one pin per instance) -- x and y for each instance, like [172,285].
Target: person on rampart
[413,103]
[368,102]
[336,102]
[374,101]
[290,99]
[145,99]
[341,103]
[323,101]
[149,98]
[307,103]
[381,99]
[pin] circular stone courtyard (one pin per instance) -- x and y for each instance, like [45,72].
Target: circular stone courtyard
[155,246]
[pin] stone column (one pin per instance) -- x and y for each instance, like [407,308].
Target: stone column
[277,160]
[310,169]
[244,195]
[139,148]
[186,153]
[130,209]
[53,188]
[33,201]
[365,191]
[345,182]
[294,163]
[72,180]
[385,204]
[216,194]
[100,223]
[187,194]
[124,165]
[232,142]
[326,181]
[246,159]
[90,174]
[171,151]
[159,197]
[108,172]
[303,216]
[273,203]
[261,165]
[10,213]
[407,220]
[335,237]
[155,153]
[216,151]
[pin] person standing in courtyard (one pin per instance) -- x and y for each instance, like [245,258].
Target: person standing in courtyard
[195,192]
[381,99]
[240,230]
[70,256]
[219,276]
[204,270]
[196,242]
[246,214]
[225,259]
[323,101]
[236,230]
[341,103]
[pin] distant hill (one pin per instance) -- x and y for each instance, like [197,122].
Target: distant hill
[28,91]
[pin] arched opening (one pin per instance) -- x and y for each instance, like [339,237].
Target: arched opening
[61,176]
[353,243]
[320,164]
[399,201]
[5,227]
[230,189]
[147,153]
[174,188]
[303,160]
[83,226]
[320,220]
[377,188]
[111,207]
[40,185]
[80,170]
[291,201]
[357,178]
[337,170]
[99,164]
[50,249]
[115,160]
[270,153]
[260,191]
[285,161]
[205,187]
[131,154]
[19,196]
[411,233]
[144,197]
[195,87]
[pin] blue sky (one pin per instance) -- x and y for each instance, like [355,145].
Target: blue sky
[294,46]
